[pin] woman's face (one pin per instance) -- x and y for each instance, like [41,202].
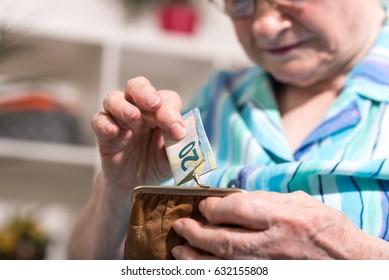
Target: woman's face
[308,41]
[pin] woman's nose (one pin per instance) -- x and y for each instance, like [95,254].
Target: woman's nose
[269,21]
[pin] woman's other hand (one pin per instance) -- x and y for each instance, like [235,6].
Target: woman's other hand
[274,226]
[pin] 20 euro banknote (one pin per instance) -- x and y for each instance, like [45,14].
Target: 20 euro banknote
[193,153]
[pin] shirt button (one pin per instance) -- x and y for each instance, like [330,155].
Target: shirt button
[233,184]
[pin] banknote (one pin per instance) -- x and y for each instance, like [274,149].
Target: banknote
[193,153]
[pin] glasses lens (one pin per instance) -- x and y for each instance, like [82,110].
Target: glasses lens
[236,8]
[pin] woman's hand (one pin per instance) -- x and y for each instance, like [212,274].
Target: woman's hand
[264,225]
[129,134]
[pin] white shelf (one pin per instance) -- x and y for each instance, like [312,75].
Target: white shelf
[206,44]
[106,25]
[48,152]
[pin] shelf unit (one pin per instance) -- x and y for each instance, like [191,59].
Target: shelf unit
[89,48]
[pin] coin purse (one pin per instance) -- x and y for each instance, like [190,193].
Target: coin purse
[155,208]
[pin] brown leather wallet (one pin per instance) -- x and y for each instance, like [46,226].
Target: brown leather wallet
[155,208]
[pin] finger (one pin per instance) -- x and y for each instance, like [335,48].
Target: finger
[105,127]
[166,105]
[143,94]
[168,117]
[223,242]
[187,253]
[242,209]
[120,109]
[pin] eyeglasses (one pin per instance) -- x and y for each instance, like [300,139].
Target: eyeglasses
[244,8]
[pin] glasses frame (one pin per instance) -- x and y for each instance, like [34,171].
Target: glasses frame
[252,6]
[250,10]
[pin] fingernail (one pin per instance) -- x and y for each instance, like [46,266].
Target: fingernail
[178,226]
[152,100]
[202,205]
[177,131]
[177,251]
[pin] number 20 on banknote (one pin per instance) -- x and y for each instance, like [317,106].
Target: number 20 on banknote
[188,154]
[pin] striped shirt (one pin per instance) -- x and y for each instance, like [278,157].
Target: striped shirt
[343,162]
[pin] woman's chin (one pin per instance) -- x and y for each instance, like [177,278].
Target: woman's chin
[299,71]
[296,77]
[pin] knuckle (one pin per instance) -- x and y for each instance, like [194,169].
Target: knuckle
[170,95]
[302,222]
[193,239]
[298,197]
[240,208]
[300,194]
[113,94]
[171,113]
[300,225]
[139,81]
[244,247]
[95,120]
[109,98]
[210,213]
[228,247]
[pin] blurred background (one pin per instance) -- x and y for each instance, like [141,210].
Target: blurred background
[57,60]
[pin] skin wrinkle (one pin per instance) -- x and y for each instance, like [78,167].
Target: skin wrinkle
[245,245]
[321,230]
[249,245]
[195,240]
[268,247]
[150,142]
[227,246]
[107,146]
[292,244]
[108,125]
[142,85]
[127,156]
[330,229]
[116,215]
[239,212]
[111,130]
[324,244]
[259,252]
[162,156]
[303,246]
[233,244]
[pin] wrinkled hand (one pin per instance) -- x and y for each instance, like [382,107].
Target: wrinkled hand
[129,133]
[268,226]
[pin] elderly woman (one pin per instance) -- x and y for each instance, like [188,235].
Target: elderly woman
[304,132]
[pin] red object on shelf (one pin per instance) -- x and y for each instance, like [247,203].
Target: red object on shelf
[178,18]
[40,101]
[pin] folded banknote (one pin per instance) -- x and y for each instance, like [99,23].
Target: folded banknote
[193,153]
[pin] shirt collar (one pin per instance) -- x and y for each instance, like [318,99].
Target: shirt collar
[369,78]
